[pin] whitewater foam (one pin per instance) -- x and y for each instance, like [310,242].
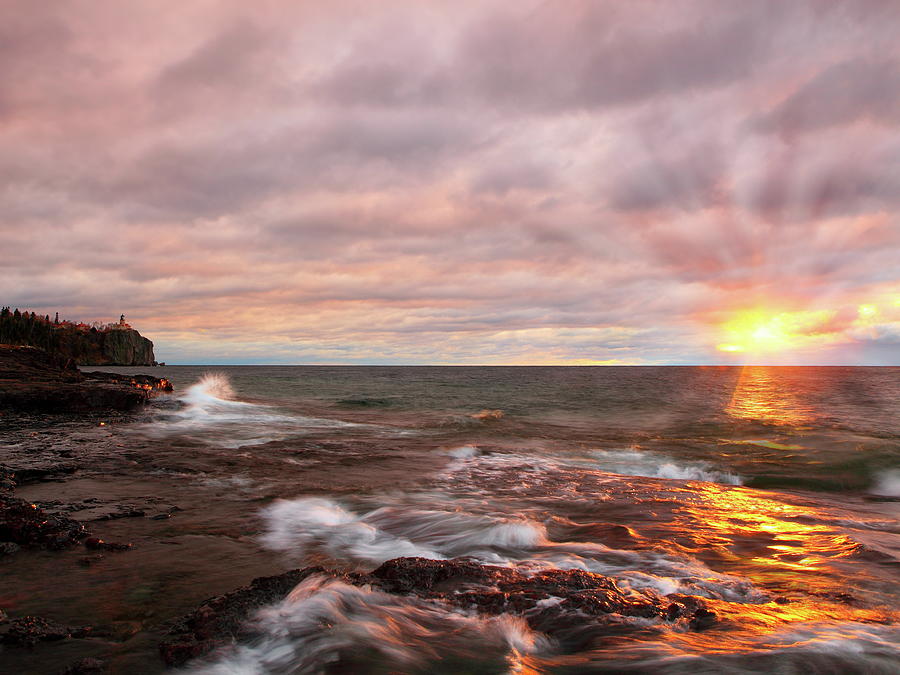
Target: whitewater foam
[307,524]
[405,632]
[210,388]
[887,484]
[653,465]
[312,522]
[211,415]
[463,452]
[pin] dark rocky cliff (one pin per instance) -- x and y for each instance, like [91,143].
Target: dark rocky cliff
[121,347]
[110,345]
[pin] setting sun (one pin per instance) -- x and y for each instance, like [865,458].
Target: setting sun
[759,331]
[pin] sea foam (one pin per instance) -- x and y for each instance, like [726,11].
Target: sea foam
[653,465]
[887,484]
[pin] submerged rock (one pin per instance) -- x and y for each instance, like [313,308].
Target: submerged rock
[542,599]
[25,524]
[27,631]
[86,666]
[98,544]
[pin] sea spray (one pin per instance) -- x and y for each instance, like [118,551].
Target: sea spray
[324,622]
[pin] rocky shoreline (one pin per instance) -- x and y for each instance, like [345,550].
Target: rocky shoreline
[549,601]
[27,525]
[34,380]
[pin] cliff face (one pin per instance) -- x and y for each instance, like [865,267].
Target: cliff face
[121,348]
[114,345]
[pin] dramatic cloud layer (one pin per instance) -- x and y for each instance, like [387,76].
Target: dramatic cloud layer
[703,181]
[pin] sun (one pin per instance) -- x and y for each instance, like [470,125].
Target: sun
[765,332]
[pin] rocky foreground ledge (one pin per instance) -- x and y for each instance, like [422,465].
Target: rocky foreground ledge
[548,600]
[34,380]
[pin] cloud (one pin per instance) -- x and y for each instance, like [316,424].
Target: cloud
[857,90]
[451,182]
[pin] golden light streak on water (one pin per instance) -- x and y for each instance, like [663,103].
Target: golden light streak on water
[760,396]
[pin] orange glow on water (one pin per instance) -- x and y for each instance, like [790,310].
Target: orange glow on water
[759,396]
[787,539]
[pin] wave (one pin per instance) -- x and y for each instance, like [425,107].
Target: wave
[385,533]
[887,483]
[652,465]
[402,633]
[212,388]
[314,524]
[211,415]
[463,452]
[622,462]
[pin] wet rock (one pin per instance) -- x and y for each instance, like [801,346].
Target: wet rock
[27,631]
[221,619]
[145,382]
[8,548]
[547,599]
[25,524]
[675,610]
[34,380]
[98,544]
[7,479]
[494,590]
[123,512]
[36,474]
[703,619]
[87,666]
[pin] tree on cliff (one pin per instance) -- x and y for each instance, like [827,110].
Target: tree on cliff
[85,346]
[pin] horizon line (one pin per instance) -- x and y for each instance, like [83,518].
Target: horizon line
[510,365]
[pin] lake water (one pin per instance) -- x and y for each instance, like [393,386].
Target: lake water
[772,493]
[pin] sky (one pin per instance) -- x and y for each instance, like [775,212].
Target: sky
[567,182]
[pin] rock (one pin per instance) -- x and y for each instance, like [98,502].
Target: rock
[161,516]
[87,666]
[703,619]
[464,584]
[495,590]
[221,619]
[25,524]
[125,512]
[8,548]
[34,380]
[35,474]
[146,382]
[27,631]
[98,544]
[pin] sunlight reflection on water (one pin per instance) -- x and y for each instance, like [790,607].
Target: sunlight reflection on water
[760,396]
